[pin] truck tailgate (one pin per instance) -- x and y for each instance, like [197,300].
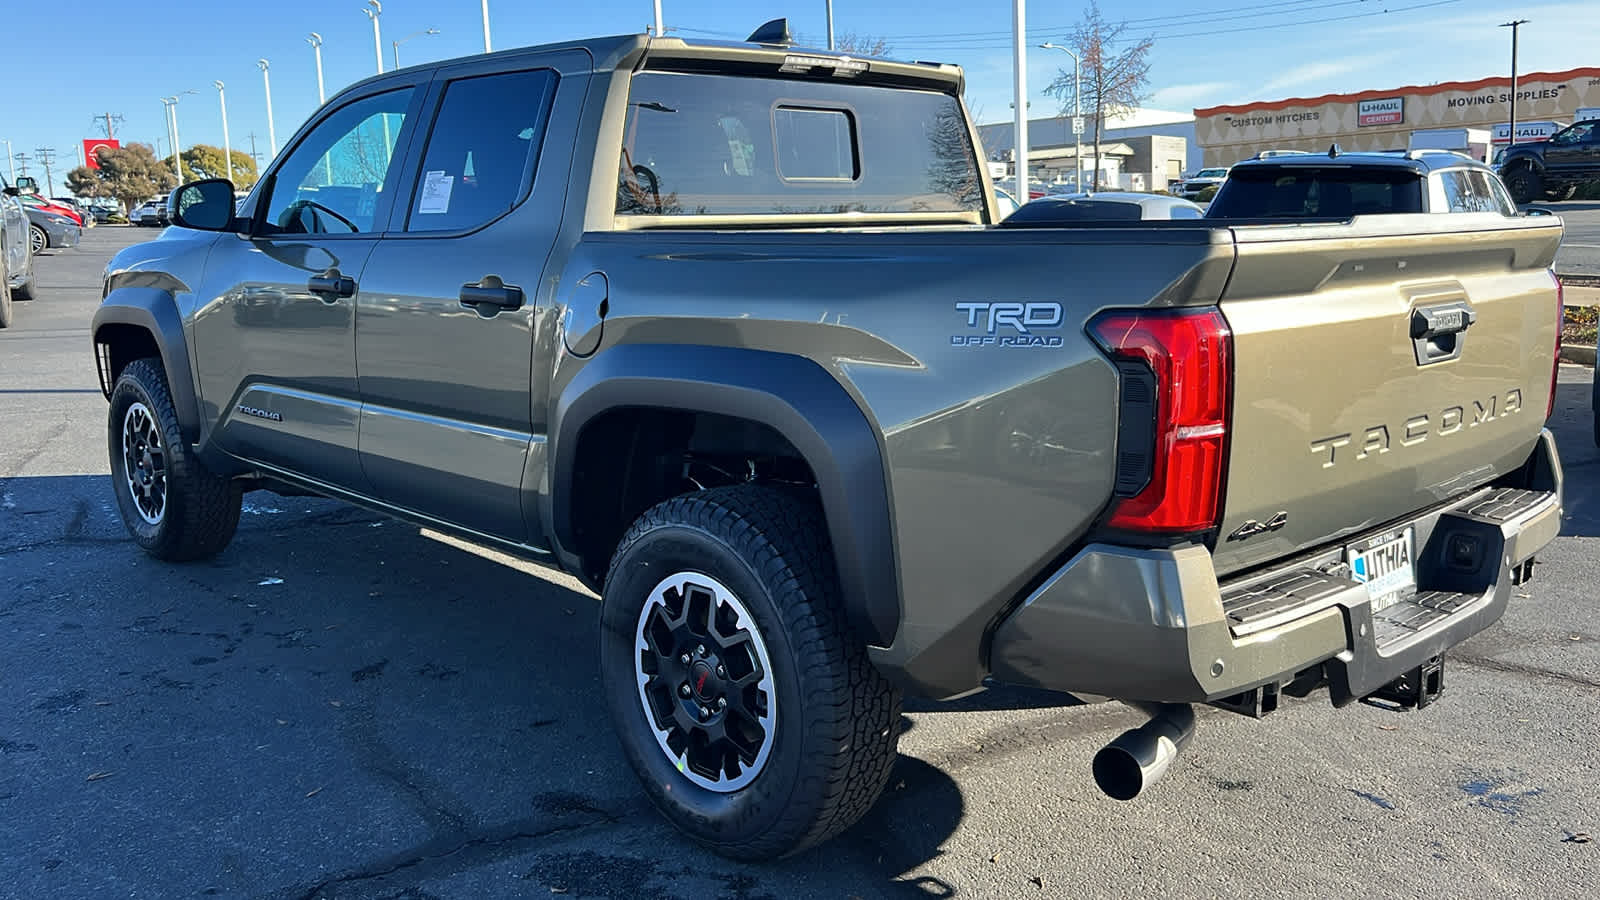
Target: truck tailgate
[1357,397]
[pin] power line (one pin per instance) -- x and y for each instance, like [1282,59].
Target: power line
[1195,16]
[981,45]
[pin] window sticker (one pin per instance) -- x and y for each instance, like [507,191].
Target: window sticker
[436,187]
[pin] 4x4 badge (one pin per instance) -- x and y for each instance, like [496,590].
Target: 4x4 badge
[1251,527]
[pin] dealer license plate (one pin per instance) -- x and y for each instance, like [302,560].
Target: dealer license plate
[1387,566]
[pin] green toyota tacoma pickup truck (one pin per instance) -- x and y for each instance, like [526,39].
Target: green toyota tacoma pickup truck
[725,331]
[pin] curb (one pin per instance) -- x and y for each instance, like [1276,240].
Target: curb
[1580,354]
[1579,281]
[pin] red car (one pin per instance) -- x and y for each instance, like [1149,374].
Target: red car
[38,202]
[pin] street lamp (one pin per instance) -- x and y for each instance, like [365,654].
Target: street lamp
[486,47]
[1077,115]
[228,146]
[171,104]
[376,10]
[1511,138]
[11,163]
[658,17]
[315,40]
[1019,64]
[414,34]
[266,82]
[830,24]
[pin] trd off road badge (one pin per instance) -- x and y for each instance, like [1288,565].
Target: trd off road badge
[1009,324]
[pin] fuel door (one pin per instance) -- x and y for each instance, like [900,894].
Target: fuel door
[583,322]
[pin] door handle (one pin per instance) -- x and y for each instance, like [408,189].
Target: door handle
[490,295]
[332,286]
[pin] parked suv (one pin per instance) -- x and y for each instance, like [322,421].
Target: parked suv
[721,330]
[1341,185]
[16,252]
[1552,169]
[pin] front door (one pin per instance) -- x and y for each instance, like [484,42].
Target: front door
[275,335]
[449,311]
[15,245]
[1571,150]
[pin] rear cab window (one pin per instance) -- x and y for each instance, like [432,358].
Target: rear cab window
[1317,192]
[710,145]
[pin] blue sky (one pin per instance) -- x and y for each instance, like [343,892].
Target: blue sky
[82,59]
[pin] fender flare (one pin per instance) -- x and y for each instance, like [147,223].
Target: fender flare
[155,311]
[789,394]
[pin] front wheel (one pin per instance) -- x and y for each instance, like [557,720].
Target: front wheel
[175,508]
[1524,184]
[5,295]
[37,239]
[744,703]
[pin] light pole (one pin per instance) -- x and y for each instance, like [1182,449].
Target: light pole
[830,24]
[266,82]
[396,44]
[11,163]
[373,10]
[486,47]
[315,40]
[227,145]
[1511,137]
[1019,62]
[658,17]
[1077,133]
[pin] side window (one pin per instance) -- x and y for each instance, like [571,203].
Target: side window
[330,183]
[1495,197]
[1457,191]
[483,142]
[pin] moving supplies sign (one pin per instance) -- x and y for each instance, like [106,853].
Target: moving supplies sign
[1387,111]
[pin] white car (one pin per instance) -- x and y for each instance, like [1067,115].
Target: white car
[1199,181]
[152,213]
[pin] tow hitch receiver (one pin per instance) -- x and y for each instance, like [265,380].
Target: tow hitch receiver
[1413,690]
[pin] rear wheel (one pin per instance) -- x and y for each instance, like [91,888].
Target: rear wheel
[5,294]
[28,289]
[37,239]
[749,711]
[1524,184]
[175,508]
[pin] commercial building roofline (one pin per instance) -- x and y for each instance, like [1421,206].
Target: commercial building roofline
[1523,78]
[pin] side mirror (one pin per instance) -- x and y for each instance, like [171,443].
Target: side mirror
[1536,211]
[28,185]
[202,205]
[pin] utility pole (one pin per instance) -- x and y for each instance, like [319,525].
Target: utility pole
[23,159]
[1019,62]
[46,156]
[253,154]
[1511,138]
[107,122]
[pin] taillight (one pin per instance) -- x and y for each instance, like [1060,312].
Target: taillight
[1189,353]
[1561,324]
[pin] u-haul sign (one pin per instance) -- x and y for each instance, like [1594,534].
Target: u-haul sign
[1384,111]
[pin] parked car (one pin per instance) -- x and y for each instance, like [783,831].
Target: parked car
[1004,203]
[1104,207]
[16,253]
[34,201]
[51,230]
[150,214]
[1552,169]
[1342,185]
[85,215]
[1195,184]
[745,363]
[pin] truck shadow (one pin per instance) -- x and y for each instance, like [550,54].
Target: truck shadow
[1573,425]
[407,692]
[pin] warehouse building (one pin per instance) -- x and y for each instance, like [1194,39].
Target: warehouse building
[1141,149]
[1469,116]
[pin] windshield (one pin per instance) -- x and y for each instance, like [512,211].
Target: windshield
[1315,192]
[697,145]
[1212,173]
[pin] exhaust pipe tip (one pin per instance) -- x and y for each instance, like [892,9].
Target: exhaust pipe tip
[1126,767]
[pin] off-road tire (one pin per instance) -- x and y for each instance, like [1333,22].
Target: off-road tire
[837,720]
[1524,184]
[28,290]
[201,509]
[1559,194]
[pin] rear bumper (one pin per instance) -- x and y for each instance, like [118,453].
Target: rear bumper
[1157,625]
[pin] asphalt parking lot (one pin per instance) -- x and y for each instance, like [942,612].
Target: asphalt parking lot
[1580,247]
[341,705]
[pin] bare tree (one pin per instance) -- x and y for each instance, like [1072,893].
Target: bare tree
[1115,73]
[853,44]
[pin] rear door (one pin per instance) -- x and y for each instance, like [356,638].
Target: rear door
[275,334]
[1570,152]
[1381,368]
[451,307]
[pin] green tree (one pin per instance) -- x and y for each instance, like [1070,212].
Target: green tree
[131,174]
[1113,83]
[206,161]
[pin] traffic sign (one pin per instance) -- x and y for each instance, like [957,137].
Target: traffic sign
[1077,124]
